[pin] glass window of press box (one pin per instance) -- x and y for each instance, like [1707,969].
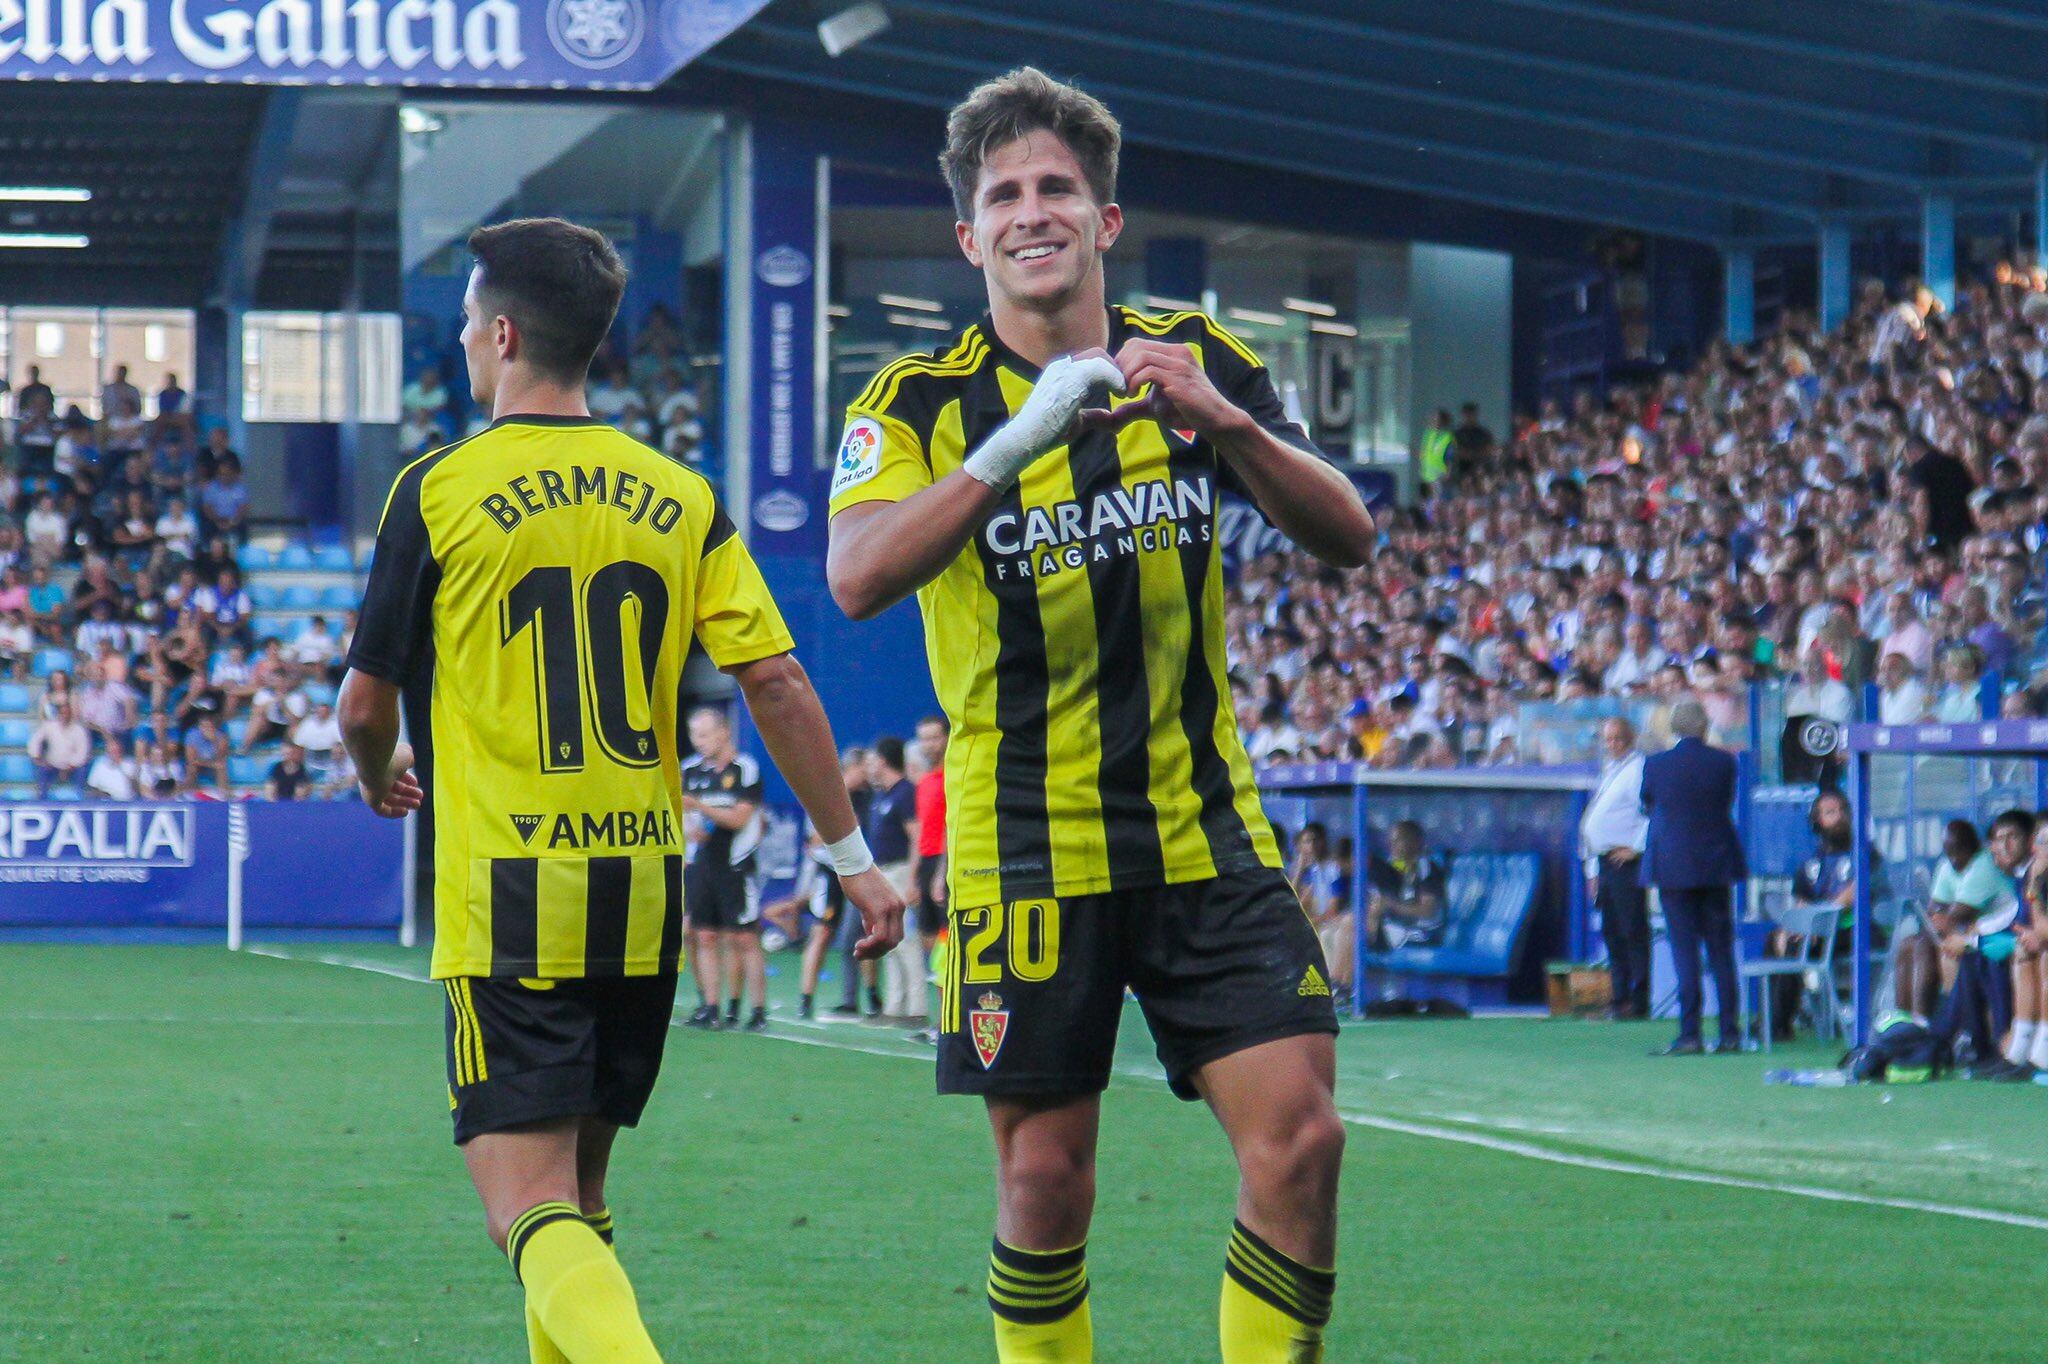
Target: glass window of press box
[653,181]
[1327,315]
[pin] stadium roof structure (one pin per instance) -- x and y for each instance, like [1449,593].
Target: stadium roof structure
[1721,121]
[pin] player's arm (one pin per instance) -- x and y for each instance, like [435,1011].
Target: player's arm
[786,710]
[893,532]
[1301,493]
[393,633]
[740,627]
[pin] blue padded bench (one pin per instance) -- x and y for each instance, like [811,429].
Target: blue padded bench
[1490,902]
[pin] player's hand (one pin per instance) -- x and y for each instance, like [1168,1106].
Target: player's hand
[1048,419]
[400,792]
[881,912]
[938,895]
[1181,395]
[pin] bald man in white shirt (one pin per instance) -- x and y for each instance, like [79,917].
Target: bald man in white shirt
[1611,838]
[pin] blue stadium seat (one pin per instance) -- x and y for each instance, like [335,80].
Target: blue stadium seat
[300,597]
[319,693]
[334,559]
[265,596]
[340,597]
[49,661]
[15,767]
[296,559]
[14,733]
[250,771]
[1779,837]
[255,558]
[285,628]
[14,697]
[66,793]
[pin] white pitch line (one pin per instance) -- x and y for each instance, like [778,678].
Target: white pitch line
[1505,1146]
[352,963]
[236,1020]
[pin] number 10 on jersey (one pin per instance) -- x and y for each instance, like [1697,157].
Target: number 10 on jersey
[580,658]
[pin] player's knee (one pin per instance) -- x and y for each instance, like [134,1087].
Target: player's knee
[1047,1178]
[1298,1155]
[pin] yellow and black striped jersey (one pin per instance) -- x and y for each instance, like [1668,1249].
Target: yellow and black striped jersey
[1077,642]
[542,580]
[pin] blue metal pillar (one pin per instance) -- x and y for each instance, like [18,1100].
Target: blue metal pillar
[1834,274]
[1859,778]
[1738,271]
[1938,247]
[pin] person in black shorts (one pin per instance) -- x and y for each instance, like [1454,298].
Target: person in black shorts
[722,795]
[1046,482]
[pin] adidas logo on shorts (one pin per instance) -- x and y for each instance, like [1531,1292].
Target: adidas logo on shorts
[1312,983]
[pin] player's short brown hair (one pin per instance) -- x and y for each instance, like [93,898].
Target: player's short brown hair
[1000,111]
[559,282]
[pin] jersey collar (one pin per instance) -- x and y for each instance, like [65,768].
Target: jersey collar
[1119,329]
[543,419]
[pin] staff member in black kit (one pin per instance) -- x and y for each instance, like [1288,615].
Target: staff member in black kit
[1611,837]
[1692,856]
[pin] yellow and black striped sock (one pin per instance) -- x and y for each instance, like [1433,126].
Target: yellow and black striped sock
[575,1290]
[1040,1302]
[1274,1307]
[601,1223]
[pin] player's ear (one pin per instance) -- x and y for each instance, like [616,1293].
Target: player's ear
[1112,227]
[505,338]
[964,234]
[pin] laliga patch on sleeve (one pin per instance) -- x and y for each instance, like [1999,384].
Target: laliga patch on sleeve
[860,455]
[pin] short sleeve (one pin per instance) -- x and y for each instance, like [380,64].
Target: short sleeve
[735,617]
[1242,377]
[880,460]
[1943,891]
[752,787]
[394,629]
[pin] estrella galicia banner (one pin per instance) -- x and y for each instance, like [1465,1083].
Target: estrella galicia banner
[579,44]
[165,865]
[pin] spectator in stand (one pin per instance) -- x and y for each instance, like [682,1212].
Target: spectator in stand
[288,779]
[60,747]
[112,775]
[17,644]
[232,678]
[224,500]
[45,606]
[117,392]
[1978,940]
[223,608]
[277,704]
[1817,706]
[34,393]
[206,756]
[170,405]
[1473,444]
[1961,698]
[47,531]
[57,694]
[426,397]
[177,530]
[319,735]
[1826,878]
[315,648]
[158,773]
[1901,696]
[216,452]
[104,706]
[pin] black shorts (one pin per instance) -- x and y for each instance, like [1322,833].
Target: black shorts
[723,899]
[1033,991]
[931,915]
[524,1051]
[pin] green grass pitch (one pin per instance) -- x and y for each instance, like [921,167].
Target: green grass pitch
[214,1157]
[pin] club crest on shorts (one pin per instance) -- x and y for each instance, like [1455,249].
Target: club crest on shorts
[987,1026]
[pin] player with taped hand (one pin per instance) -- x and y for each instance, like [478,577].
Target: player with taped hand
[1048,419]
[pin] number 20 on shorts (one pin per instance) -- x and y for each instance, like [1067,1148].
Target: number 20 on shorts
[1026,932]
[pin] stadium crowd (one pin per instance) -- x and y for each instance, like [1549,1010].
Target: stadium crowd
[1821,511]
[646,387]
[118,544]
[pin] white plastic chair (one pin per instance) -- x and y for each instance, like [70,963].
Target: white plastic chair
[1814,962]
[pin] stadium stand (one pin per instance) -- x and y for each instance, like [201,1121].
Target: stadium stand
[107,534]
[1778,519]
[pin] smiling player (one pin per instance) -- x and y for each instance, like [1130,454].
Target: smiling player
[1105,830]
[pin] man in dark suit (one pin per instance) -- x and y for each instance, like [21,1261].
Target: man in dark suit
[1692,856]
